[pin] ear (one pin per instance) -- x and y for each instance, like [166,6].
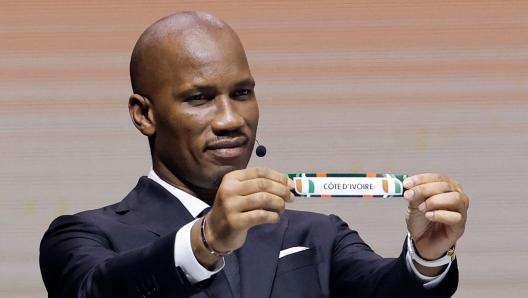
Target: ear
[141,114]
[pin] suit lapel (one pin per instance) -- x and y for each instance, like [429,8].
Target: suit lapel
[258,259]
[151,206]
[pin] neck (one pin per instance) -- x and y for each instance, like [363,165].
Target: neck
[206,195]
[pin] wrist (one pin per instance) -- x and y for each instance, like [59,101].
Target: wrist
[203,256]
[206,244]
[442,260]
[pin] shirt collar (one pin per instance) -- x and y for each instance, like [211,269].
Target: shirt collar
[194,205]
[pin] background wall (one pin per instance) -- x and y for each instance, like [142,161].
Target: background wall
[343,86]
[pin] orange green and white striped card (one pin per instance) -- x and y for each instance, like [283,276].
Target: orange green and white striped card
[367,185]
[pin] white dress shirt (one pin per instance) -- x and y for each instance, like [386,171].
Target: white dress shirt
[185,259]
[183,253]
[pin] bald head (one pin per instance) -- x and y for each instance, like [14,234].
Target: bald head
[201,115]
[175,38]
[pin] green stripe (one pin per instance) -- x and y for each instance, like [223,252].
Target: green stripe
[311,187]
[397,185]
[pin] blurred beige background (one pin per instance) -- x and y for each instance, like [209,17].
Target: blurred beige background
[343,86]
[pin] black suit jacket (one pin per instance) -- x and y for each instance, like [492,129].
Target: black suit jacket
[127,250]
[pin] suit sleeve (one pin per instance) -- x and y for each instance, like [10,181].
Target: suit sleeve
[359,272]
[77,260]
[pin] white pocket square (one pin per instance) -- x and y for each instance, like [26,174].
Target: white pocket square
[291,250]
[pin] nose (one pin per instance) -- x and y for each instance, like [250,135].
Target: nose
[227,116]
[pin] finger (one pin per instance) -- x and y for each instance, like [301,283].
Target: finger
[422,179]
[428,178]
[256,185]
[424,191]
[258,217]
[449,218]
[262,200]
[262,172]
[447,201]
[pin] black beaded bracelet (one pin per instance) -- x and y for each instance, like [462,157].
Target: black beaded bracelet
[212,251]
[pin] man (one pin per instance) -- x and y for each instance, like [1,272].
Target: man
[194,99]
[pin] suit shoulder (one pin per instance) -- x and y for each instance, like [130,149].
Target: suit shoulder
[88,216]
[89,220]
[106,211]
[111,212]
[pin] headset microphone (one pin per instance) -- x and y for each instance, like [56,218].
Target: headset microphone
[261,150]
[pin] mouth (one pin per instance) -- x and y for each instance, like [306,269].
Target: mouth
[228,148]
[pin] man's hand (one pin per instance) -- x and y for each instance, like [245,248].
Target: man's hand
[245,198]
[437,213]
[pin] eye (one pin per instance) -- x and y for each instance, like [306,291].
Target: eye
[242,93]
[195,97]
[197,100]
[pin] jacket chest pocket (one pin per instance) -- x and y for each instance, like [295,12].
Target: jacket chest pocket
[297,275]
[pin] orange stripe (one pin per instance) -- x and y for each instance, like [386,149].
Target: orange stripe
[385,185]
[371,175]
[326,196]
[298,184]
[368,196]
[320,174]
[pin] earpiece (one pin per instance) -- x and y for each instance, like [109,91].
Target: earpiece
[261,150]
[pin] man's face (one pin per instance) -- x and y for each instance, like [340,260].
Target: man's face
[205,113]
